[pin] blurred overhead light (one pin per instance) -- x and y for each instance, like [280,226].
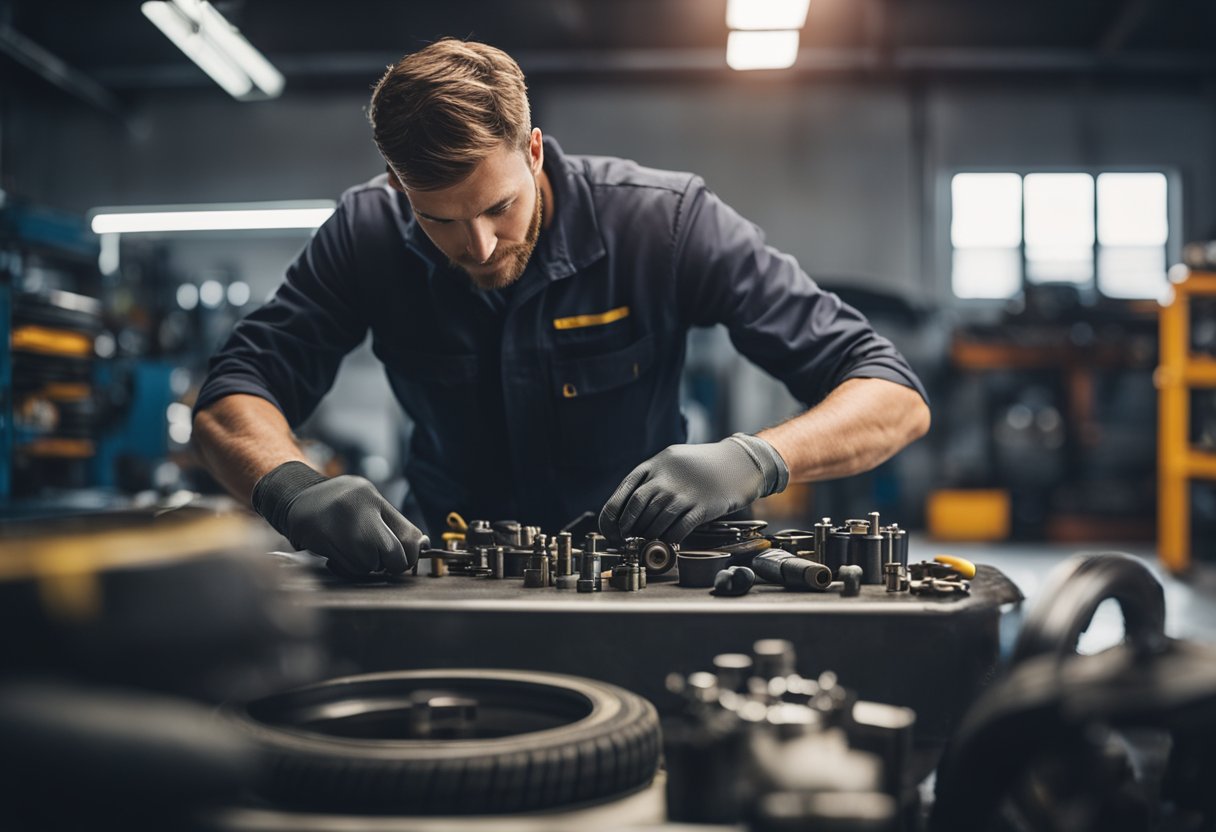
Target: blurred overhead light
[218,48]
[766,14]
[761,50]
[250,217]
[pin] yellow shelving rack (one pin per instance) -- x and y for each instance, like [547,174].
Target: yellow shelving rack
[1177,462]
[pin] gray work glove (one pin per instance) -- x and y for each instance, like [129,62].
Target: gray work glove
[683,486]
[343,519]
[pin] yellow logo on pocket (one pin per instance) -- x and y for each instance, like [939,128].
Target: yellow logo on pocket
[598,319]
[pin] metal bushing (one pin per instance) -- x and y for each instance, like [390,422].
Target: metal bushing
[698,569]
[658,557]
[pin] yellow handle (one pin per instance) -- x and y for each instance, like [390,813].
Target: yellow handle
[456,523]
[453,536]
[962,566]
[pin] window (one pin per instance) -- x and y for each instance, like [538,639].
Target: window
[1108,231]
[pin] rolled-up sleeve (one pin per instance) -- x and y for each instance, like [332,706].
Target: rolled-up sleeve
[288,351]
[777,316]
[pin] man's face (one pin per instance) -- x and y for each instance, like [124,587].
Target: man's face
[488,224]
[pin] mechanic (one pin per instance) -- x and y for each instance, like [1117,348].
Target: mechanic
[531,309]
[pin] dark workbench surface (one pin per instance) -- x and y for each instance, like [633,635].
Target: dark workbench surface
[932,654]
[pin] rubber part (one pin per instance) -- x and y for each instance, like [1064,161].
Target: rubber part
[699,569]
[611,744]
[792,572]
[851,576]
[734,581]
[1072,594]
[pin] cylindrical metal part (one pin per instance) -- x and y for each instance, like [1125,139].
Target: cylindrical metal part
[837,554]
[850,575]
[791,571]
[439,568]
[534,579]
[870,547]
[900,545]
[593,542]
[498,556]
[479,534]
[733,669]
[734,581]
[658,556]
[589,574]
[773,657]
[565,554]
[893,576]
[874,523]
[527,535]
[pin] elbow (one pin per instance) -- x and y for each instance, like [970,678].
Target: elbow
[920,421]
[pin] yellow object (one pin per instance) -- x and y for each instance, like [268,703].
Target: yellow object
[67,567]
[969,514]
[1177,461]
[456,523]
[598,319]
[48,341]
[453,535]
[962,566]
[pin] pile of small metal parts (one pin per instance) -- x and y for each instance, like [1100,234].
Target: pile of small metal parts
[730,556]
[757,742]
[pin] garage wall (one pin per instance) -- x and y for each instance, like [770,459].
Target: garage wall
[843,174]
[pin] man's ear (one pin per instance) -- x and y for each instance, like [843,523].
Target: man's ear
[536,151]
[393,182]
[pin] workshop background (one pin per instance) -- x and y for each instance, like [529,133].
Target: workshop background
[1020,195]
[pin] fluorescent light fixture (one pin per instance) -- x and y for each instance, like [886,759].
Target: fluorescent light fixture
[766,14]
[762,50]
[181,218]
[218,48]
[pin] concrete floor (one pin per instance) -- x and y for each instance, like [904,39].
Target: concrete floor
[1190,604]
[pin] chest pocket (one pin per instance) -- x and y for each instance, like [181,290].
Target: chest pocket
[602,402]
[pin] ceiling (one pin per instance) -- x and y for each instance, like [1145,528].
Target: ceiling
[317,43]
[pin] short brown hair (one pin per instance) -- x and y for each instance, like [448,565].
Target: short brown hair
[439,111]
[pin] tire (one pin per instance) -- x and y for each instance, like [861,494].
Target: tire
[582,741]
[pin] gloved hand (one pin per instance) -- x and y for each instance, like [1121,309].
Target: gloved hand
[683,486]
[343,519]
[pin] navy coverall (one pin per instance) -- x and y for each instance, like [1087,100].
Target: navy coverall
[535,401]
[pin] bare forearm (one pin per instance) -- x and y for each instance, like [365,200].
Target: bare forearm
[240,438]
[861,424]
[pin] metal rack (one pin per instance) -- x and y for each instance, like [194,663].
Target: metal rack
[1178,462]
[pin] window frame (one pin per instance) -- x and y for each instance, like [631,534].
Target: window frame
[945,216]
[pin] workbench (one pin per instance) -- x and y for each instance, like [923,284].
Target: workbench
[932,654]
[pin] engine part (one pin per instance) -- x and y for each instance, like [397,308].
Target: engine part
[791,571]
[527,536]
[498,557]
[773,657]
[507,533]
[752,729]
[348,744]
[741,553]
[589,573]
[732,670]
[658,556]
[439,567]
[734,581]
[850,576]
[723,532]
[896,545]
[565,555]
[895,577]
[940,577]
[534,578]
[479,534]
[836,554]
[566,582]
[797,542]
[627,577]
[699,569]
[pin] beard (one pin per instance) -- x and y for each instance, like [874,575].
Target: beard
[509,259]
